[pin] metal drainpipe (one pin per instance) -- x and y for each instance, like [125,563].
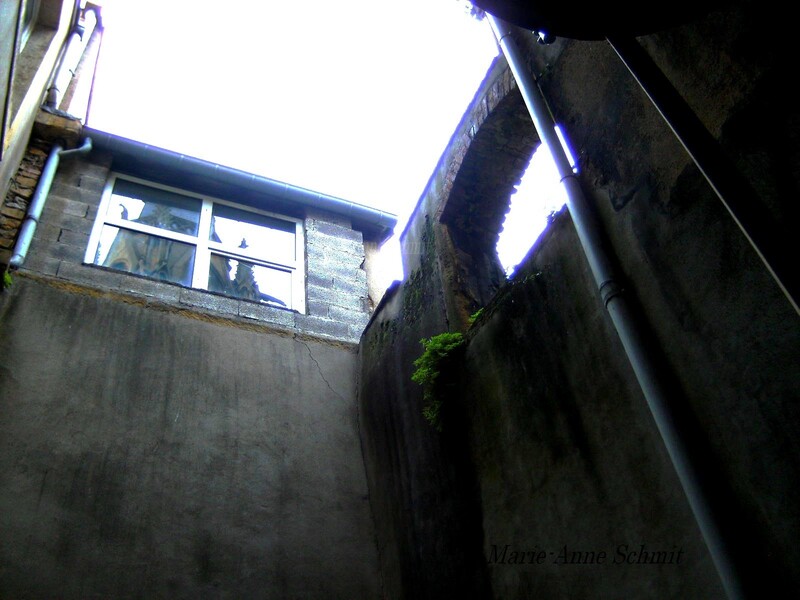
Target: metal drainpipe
[39,198]
[632,338]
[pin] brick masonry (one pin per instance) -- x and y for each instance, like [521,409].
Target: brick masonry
[20,193]
[337,299]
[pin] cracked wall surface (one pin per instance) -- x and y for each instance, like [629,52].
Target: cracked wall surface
[144,453]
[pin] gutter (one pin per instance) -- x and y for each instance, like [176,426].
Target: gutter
[642,360]
[39,199]
[379,225]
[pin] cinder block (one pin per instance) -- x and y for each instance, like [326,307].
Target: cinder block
[91,275]
[42,264]
[317,279]
[93,183]
[342,270]
[325,327]
[317,307]
[74,238]
[350,288]
[350,301]
[334,230]
[65,205]
[267,314]
[356,318]
[210,301]
[46,232]
[160,290]
[315,215]
[65,252]
[326,243]
[70,222]
[314,292]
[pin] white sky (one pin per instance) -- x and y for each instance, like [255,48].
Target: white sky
[355,99]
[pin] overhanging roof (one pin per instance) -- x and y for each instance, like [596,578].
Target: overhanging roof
[200,176]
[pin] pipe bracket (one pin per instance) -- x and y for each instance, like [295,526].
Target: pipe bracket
[609,290]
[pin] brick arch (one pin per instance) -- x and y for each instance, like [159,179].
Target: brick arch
[488,165]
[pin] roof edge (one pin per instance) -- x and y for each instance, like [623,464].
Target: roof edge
[376,224]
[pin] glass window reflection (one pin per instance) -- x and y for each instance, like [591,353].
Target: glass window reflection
[147,255]
[138,203]
[250,281]
[258,234]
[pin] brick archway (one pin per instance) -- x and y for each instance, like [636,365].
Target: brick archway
[500,141]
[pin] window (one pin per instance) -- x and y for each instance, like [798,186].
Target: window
[199,242]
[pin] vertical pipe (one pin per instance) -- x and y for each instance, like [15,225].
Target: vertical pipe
[643,363]
[36,206]
[733,190]
[76,51]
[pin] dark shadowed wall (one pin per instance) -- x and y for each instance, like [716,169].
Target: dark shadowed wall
[548,437]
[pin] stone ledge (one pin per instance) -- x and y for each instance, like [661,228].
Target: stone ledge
[189,300]
[57,127]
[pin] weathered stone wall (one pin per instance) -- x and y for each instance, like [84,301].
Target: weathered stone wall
[549,437]
[469,201]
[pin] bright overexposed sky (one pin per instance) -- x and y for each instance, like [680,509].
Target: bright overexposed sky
[355,99]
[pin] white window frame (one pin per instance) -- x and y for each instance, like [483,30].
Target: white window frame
[203,246]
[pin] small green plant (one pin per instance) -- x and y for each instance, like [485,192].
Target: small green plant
[436,349]
[7,280]
[475,316]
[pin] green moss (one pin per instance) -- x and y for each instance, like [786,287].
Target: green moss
[7,280]
[436,350]
[475,316]
[416,289]
[382,335]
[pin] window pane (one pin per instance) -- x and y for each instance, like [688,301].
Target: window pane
[156,207]
[144,254]
[243,279]
[268,238]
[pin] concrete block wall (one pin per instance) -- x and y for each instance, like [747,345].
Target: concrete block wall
[336,281]
[337,304]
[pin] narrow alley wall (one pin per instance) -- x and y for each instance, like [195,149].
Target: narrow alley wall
[547,436]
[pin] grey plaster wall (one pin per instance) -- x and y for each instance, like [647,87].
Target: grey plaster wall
[150,452]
